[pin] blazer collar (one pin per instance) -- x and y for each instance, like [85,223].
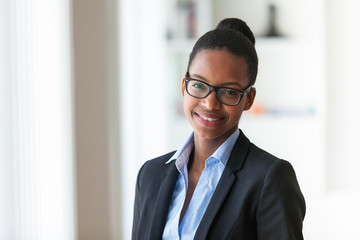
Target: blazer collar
[234,164]
[239,153]
[228,178]
[163,201]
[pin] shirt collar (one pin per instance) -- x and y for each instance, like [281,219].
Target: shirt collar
[222,153]
[186,148]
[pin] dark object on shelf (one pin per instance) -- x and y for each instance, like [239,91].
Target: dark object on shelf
[272,31]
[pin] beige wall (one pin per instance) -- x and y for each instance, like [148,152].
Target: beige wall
[95,79]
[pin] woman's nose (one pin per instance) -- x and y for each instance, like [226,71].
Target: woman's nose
[211,102]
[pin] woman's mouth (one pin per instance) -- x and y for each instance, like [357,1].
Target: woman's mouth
[209,120]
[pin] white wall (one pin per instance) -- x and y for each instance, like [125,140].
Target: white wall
[341,200]
[7,220]
[343,129]
[143,90]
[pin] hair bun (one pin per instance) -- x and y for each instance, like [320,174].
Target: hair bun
[237,25]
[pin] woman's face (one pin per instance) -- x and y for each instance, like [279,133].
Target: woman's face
[209,118]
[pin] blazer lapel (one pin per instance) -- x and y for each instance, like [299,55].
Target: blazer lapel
[163,201]
[228,178]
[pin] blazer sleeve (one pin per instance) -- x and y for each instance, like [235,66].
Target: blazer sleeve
[281,208]
[137,210]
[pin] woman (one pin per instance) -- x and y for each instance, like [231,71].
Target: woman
[219,185]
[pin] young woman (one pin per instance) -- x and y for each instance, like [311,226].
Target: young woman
[219,185]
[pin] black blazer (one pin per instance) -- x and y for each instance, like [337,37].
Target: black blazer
[257,197]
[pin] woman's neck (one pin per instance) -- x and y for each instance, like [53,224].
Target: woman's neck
[203,149]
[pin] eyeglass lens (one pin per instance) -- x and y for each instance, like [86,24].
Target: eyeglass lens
[199,89]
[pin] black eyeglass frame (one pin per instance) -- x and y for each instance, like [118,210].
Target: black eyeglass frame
[216,89]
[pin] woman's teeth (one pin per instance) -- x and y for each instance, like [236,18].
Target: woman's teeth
[210,119]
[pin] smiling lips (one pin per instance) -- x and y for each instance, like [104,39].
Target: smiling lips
[209,120]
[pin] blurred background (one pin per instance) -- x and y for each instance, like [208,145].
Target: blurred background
[90,90]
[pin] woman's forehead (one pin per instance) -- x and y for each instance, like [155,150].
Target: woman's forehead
[219,65]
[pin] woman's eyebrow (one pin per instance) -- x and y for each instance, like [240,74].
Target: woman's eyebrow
[200,77]
[223,84]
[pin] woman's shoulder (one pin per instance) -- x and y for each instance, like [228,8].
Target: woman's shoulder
[259,153]
[156,166]
[159,161]
[262,159]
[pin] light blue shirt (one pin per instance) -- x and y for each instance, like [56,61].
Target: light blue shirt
[210,176]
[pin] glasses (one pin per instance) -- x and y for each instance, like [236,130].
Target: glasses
[225,95]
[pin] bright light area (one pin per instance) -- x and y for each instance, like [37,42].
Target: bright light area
[36,121]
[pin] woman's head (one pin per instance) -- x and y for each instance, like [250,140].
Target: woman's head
[218,85]
[232,35]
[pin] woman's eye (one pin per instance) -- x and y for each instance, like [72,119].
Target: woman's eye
[229,92]
[198,85]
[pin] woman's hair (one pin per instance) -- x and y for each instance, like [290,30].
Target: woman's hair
[235,36]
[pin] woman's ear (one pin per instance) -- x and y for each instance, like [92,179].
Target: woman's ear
[183,86]
[250,99]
